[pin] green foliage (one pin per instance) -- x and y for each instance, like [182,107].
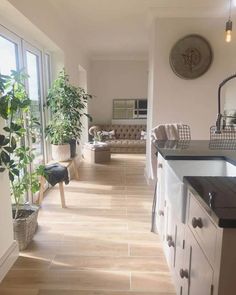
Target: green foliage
[14,156]
[67,104]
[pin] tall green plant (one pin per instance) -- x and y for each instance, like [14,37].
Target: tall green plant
[67,104]
[14,156]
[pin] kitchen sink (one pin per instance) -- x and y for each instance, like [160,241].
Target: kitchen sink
[176,190]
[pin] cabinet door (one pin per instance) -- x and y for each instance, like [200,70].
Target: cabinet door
[197,274]
[160,211]
[179,253]
[170,237]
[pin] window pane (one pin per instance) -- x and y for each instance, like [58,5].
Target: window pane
[142,103]
[129,108]
[35,96]
[119,103]
[8,56]
[130,103]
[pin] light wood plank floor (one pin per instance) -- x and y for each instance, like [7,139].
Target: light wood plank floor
[100,244]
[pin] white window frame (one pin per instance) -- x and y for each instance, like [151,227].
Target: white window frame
[8,35]
[22,47]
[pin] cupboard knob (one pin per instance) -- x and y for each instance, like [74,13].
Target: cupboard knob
[183,273]
[168,238]
[171,243]
[197,222]
[160,165]
[161,213]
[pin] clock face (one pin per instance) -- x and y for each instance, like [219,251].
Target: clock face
[191,57]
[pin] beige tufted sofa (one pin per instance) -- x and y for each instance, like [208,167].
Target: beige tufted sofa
[127,138]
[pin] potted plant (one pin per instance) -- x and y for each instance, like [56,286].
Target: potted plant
[15,157]
[67,104]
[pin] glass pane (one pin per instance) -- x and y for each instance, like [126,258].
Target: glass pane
[118,103]
[119,113]
[130,103]
[8,56]
[142,103]
[35,96]
[130,113]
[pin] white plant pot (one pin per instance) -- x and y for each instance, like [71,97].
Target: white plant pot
[61,153]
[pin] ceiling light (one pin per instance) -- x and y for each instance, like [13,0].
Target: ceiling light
[229,24]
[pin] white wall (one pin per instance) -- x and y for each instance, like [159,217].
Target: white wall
[6,225]
[193,102]
[115,79]
[229,95]
[172,99]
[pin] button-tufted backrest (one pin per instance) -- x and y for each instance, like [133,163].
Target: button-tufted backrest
[125,131]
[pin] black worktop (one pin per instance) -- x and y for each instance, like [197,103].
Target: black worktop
[197,150]
[218,197]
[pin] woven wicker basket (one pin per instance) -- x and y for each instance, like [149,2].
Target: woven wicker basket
[25,228]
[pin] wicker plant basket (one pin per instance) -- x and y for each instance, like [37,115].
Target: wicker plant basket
[26,225]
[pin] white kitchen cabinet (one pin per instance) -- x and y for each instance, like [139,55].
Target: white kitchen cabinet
[196,273]
[161,213]
[202,259]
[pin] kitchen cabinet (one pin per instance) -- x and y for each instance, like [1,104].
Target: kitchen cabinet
[161,213]
[196,273]
[200,254]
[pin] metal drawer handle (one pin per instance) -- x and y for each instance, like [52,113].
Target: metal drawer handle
[183,273]
[161,213]
[197,222]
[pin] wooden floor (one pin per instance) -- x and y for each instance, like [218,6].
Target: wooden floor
[101,244]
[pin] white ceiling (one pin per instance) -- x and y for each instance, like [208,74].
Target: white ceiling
[120,27]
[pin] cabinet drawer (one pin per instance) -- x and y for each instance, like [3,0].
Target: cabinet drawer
[202,227]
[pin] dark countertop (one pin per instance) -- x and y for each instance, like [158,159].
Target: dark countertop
[222,206]
[198,150]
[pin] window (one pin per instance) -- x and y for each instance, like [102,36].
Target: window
[130,108]
[8,56]
[34,91]
[15,54]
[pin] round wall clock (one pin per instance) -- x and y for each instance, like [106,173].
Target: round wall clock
[191,57]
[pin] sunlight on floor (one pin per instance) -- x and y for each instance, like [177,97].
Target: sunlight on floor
[101,243]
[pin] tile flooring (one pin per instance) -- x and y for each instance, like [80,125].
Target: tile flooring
[100,244]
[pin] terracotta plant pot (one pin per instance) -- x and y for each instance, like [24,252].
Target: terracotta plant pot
[61,153]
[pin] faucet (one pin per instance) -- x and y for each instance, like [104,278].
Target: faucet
[219,115]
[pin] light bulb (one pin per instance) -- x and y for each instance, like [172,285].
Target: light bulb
[228,36]
[228,30]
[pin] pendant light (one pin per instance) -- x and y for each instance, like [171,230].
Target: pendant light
[229,25]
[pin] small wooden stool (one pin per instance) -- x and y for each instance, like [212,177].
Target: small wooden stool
[67,164]
[41,191]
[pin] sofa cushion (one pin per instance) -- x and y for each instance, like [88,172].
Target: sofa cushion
[126,143]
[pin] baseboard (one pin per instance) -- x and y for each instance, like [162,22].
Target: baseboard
[8,259]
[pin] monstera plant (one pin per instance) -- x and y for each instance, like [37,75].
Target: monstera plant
[15,156]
